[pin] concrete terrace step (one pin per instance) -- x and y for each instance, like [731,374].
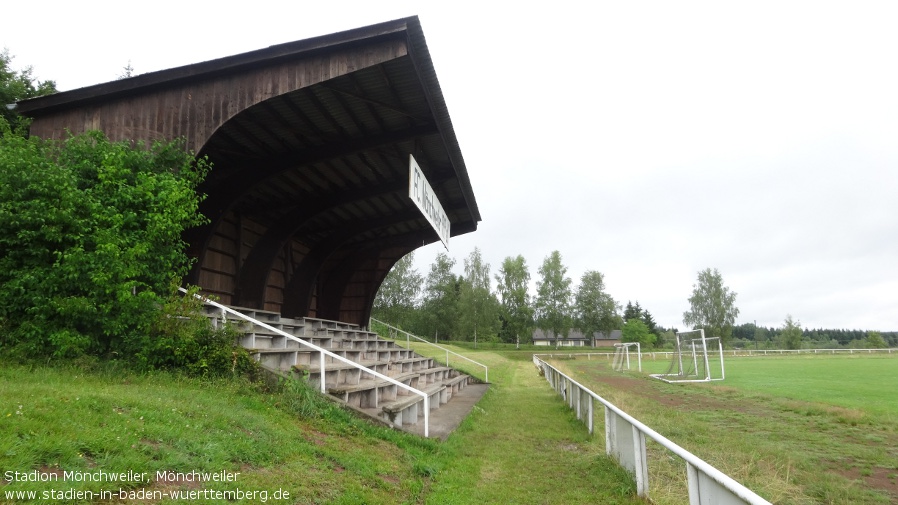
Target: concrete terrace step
[339,374]
[405,359]
[371,393]
[357,387]
[407,410]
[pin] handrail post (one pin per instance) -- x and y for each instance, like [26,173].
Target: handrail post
[426,414]
[321,362]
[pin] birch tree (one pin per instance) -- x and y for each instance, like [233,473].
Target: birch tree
[553,298]
[516,311]
[713,306]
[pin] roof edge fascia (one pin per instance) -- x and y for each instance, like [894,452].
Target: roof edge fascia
[196,71]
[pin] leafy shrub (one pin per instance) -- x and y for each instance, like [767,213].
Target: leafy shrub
[182,338]
[91,249]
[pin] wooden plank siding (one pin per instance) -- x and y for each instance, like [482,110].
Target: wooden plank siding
[195,110]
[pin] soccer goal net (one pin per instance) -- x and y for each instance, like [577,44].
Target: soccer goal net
[695,359]
[622,353]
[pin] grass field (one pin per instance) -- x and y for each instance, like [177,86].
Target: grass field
[859,381]
[798,430]
[804,430]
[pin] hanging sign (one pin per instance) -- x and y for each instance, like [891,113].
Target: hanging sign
[425,199]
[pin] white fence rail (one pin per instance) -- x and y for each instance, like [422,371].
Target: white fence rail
[322,352]
[409,336]
[730,352]
[625,439]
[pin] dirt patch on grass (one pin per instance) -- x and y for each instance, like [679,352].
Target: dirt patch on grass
[884,479]
[646,388]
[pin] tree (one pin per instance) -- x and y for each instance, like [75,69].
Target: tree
[439,305]
[634,311]
[875,340]
[635,330]
[712,306]
[665,337]
[397,296]
[516,311]
[790,334]
[596,310]
[127,71]
[553,297]
[478,308]
[91,246]
[650,322]
[760,335]
[18,85]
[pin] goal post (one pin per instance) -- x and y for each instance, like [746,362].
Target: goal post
[621,360]
[695,358]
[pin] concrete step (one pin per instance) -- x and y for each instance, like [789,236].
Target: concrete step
[356,387]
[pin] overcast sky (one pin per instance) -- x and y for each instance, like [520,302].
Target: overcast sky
[645,140]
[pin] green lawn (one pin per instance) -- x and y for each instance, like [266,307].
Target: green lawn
[522,445]
[860,381]
[797,430]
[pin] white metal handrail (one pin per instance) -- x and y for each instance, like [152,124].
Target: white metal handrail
[625,441]
[322,352]
[448,352]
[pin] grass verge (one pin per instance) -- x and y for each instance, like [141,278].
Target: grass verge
[57,420]
[520,445]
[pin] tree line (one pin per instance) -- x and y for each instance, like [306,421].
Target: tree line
[792,336]
[442,305]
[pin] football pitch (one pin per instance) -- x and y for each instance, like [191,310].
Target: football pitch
[868,382]
[796,429]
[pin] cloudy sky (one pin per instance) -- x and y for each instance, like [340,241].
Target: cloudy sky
[645,140]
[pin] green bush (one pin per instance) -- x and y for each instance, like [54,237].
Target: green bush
[91,250]
[182,338]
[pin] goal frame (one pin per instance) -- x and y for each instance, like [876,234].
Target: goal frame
[622,355]
[699,351]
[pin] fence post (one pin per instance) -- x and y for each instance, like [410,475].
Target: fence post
[570,394]
[640,461]
[610,431]
[590,408]
[626,444]
[692,482]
